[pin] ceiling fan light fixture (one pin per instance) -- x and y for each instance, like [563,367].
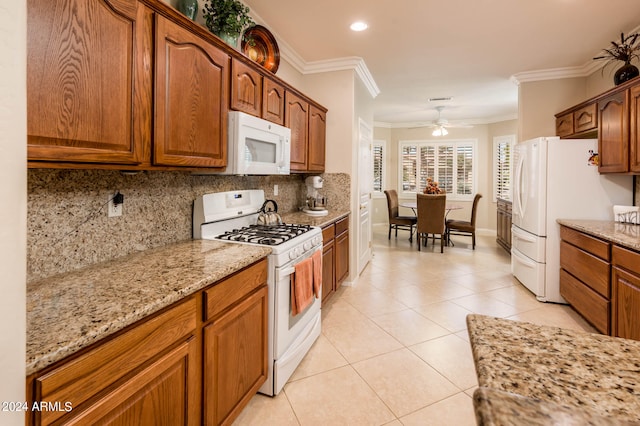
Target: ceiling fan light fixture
[440,131]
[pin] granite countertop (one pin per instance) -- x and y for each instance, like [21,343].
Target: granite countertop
[624,234]
[70,311]
[321,221]
[577,370]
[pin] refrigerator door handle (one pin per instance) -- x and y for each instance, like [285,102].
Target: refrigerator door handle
[517,187]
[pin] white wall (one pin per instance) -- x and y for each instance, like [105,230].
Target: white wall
[13,209]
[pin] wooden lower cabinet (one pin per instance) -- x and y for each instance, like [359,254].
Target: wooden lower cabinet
[171,368]
[504,224]
[626,293]
[585,276]
[158,394]
[342,250]
[235,361]
[328,261]
[335,256]
[601,281]
[121,381]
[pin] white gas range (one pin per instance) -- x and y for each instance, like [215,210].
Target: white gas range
[232,216]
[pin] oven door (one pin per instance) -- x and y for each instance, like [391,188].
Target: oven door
[293,335]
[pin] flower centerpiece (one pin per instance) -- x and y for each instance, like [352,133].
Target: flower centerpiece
[432,187]
[227,19]
[625,51]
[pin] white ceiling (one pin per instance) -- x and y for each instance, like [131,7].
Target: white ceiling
[466,49]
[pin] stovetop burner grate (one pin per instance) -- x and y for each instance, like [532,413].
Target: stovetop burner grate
[270,235]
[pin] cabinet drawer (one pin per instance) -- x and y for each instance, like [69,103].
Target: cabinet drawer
[328,233]
[342,225]
[586,267]
[585,118]
[81,378]
[228,292]
[564,125]
[626,259]
[586,242]
[593,307]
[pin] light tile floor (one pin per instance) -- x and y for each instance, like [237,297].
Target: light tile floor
[394,348]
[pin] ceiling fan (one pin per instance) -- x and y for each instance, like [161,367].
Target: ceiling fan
[440,125]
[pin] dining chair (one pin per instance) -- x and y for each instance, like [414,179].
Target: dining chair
[462,227]
[431,220]
[396,221]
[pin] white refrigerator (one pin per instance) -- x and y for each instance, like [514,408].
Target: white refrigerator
[554,179]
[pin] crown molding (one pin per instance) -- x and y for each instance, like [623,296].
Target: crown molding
[415,124]
[557,73]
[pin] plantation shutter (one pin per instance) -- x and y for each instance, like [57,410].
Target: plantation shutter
[427,165]
[503,167]
[464,169]
[377,168]
[409,163]
[445,168]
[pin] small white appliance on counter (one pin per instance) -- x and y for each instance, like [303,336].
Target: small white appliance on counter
[554,179]
[232,217]
[315,203]
[257,146]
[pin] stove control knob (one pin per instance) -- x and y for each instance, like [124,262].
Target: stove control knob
[292,255]
[307,245]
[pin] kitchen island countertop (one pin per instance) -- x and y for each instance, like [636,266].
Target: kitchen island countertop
[550,365]
[624,234]
[70,311]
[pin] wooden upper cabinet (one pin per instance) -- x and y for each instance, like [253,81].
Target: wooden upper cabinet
[191,103]
[297,119]
[246,88]
[273,101]
[585,118]
[634,129]
[88,81]
[317,139]
[564,125]
[613,133]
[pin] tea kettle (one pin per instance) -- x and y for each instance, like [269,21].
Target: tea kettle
[269,216]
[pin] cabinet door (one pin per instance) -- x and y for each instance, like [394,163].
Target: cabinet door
[564,125]
[342,257]
[273,101]
[191,99]
[626,304]
[246,88]
[634,133]
[297,119]
[585,118]
[317,139]
[328,270]
[88,83]
[235,358]
[613,133]
[163,393]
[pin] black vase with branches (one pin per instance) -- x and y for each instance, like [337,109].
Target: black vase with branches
[625,51]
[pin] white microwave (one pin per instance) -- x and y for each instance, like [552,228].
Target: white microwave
[257,146]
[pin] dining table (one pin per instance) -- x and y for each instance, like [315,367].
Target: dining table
[413,205]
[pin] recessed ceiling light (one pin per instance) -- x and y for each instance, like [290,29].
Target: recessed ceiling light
[358,26]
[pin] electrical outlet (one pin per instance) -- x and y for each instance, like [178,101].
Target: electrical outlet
[114,210]
[275,189]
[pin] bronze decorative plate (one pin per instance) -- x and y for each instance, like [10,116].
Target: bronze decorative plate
[259,45]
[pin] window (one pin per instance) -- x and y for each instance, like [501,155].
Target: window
[502,166]
[377,155]
[451,164]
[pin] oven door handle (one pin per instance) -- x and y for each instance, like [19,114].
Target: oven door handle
[286,272]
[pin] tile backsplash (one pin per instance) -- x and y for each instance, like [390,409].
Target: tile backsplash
[68,227]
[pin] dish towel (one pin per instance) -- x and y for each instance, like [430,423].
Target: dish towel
[302,286]
[317,273]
